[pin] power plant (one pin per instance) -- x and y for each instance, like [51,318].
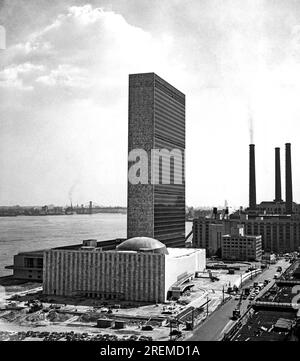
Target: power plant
[276,221]
[278,206]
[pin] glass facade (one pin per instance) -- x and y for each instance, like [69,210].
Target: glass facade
[157,125]
[169,133]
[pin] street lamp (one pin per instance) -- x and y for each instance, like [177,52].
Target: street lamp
[207,306]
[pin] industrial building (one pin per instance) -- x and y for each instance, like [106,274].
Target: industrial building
[240,247]
[277,222]
[207,233]
[280,234]
[227,239]
[140,269]
[157,121]
[277,206]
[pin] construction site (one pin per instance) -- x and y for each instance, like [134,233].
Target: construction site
[26,313]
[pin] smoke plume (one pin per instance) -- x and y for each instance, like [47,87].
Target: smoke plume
[250,125]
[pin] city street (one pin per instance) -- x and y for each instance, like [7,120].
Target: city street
[220,321]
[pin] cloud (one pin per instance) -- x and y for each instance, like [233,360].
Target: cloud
[19,76]
[91,49]
[78,80]
[64,75]
[67,110]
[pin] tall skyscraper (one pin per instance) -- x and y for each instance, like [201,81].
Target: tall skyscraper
[156,204]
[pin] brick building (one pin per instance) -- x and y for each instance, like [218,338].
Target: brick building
[239,247]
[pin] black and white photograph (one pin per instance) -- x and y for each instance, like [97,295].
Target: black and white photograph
[149,175]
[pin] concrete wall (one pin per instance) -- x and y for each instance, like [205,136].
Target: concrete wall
[140,204]
[182,264]
[111,275]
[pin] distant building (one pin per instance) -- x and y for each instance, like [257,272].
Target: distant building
[208,232]
[140,269]
[28,266]
[280,234]
[239,247]
[157,121]
[272,208]
[278,221]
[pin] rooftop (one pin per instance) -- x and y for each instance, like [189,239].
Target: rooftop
[263,326]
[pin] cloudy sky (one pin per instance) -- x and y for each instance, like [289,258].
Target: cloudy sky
[64,89]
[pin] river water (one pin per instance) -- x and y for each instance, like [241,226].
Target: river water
[28,233]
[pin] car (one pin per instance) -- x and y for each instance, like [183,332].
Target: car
[237,297]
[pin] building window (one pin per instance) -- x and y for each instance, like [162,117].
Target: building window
[28,262]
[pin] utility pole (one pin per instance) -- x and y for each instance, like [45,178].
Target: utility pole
[193,319]
[207,306]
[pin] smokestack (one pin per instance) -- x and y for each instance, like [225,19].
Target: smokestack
[288,180]
[252,182]
[277,176]
[215,212]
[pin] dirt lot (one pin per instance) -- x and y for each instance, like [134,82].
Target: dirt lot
[68,317]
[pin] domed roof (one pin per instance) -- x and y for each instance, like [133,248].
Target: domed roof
[143,244]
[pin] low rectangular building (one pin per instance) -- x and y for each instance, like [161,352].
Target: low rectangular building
[208,232]
[121,274]
[29,265]
[241,248]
